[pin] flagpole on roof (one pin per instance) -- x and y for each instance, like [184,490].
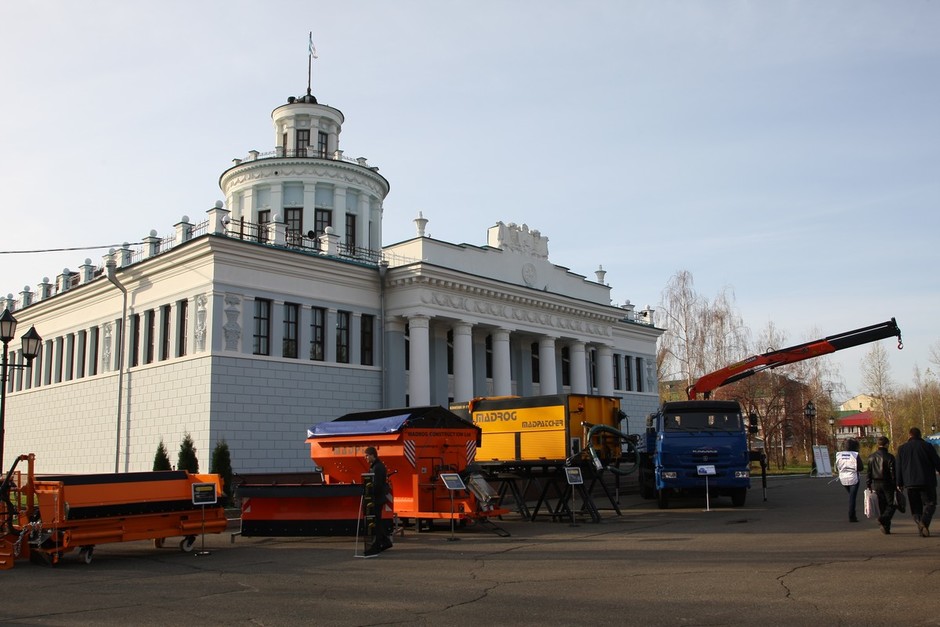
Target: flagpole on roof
[311,55]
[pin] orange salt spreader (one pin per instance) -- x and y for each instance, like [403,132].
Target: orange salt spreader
[44,517]
[417,445]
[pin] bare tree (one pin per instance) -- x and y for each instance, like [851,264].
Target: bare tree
[876,377]
[701,335]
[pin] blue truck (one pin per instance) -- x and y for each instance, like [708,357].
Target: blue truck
[690,444]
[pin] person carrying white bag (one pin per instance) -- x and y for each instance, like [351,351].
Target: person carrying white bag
[849,465]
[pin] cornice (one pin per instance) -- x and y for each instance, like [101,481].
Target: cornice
[327,171]
[492,303]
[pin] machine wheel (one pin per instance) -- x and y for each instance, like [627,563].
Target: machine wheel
[158,543]
[738,497]
[661,499]
[186,544]
[86,553]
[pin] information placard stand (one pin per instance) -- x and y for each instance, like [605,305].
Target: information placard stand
[453,482]
[204,494]
[575,478]
[707,471]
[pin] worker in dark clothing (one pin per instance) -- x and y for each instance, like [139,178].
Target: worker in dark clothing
[918,465]
[379,498]
[882,479]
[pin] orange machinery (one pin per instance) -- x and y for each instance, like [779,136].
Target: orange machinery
[416,444]
[47,516]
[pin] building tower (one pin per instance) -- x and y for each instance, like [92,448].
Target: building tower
[306,183]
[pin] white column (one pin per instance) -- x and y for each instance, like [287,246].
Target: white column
[419,376]
[578,368]
[463,362]
[502,376]
[605,370]
[310,206]
[362,221]
[548,379]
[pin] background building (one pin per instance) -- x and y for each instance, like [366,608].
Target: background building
[281,308]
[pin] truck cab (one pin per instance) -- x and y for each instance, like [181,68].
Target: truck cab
[691,444]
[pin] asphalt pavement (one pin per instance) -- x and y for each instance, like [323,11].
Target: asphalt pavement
[793,559]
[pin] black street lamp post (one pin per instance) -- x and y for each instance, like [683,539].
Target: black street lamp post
[810,413]
[31,345]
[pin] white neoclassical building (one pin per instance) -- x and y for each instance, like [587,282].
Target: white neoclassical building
[281,308]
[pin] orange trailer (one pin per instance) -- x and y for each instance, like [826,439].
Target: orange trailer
[416,444]
[49,516]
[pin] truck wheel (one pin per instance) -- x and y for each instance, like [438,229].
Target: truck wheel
[86,553]
[186,544]
[738,497]
[661,499]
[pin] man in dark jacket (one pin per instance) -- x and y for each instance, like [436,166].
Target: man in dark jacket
[882,479]
[918,465]
[379,492]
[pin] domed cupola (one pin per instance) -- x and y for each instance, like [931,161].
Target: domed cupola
[306,181]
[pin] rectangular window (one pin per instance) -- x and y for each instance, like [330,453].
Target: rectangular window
[293,218]
[264,219]
[616,359]
[93,351]
[488,361]
[639,374]
[322,144]
[303,140]
[289,343]
[58,360]
[322,218]
[182,317]
[150,326]
[262,334]
[165,332]
[367,341]
[342,337]
[69,356]
[284,143]
[450,351]
[48,356]
[135,340]
[82,353]
[536,368]
[628,372]
[318,334]
[565,365]
[350,230]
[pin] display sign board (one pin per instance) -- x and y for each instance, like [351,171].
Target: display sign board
[453,481]
[574,477]
[823,463]
[204,494]
[707,470]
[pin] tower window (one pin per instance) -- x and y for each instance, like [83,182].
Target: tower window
[322,218]
[301,143]
[322,144]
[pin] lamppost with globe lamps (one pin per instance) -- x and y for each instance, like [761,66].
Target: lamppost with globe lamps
[810,412]
[31,345]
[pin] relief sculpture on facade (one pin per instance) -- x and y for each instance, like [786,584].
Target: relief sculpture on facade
[201,313]
[232,330]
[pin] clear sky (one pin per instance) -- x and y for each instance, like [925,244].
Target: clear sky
[786,150]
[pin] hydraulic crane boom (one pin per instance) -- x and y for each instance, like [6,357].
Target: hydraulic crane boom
[773,359]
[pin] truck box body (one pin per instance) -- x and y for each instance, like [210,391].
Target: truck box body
[539,429]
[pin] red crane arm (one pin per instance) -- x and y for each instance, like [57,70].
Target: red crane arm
[772,359]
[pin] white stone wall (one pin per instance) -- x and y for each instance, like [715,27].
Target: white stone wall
[172,398]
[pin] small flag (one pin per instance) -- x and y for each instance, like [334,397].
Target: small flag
[312,48]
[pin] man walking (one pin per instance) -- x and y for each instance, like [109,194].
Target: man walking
[882,479]
[918,465]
